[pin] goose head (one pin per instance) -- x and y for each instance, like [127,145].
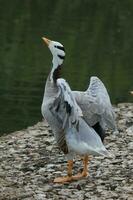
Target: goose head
[57,51]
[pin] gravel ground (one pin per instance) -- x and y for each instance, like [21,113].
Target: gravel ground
[30,160]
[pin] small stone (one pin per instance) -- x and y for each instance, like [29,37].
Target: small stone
[50,166]
[42,171]
[49,148]
[130,145]
[78,187]
[26,195]
[47,188]
[129,130]
[40,196]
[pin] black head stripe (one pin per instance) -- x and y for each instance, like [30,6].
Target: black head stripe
[60,47]
[61,57]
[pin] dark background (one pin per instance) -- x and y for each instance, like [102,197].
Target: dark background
[98,38]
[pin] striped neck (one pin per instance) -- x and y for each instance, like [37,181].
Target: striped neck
[56,69]
[55,74]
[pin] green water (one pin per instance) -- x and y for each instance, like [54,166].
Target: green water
[98,38]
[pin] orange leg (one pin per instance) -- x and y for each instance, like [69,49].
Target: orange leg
[67,178]
[85,169]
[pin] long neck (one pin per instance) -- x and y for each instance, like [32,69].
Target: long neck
[55,72]
[51,88]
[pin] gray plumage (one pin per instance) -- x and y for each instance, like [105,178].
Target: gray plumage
[95,104]
[71,114]
[66,119]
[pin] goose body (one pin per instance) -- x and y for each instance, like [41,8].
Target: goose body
[78,119]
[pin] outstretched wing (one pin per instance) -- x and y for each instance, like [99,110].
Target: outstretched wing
[79,137]
[95,104]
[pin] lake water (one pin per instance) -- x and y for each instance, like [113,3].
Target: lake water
[98,38]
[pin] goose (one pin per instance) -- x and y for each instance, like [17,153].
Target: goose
[77,119]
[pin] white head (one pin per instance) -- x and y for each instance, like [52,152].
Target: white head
[57,51]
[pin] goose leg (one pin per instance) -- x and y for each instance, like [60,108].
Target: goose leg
[85,169]
[69,176]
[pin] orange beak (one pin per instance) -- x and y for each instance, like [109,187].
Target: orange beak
[47,41]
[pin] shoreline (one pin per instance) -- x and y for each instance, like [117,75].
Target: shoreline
[30,160]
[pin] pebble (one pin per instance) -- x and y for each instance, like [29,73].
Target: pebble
[30,160]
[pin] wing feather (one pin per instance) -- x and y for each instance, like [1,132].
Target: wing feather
[70,108]
[64,112]
[95,104]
